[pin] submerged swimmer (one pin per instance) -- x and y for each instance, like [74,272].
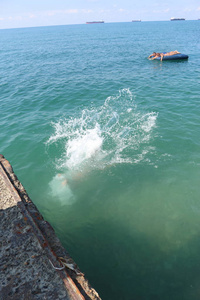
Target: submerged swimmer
[64,182]
[60,189]
[63,178]
[154,55]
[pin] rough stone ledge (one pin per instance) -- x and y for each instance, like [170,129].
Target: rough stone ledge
[34,264]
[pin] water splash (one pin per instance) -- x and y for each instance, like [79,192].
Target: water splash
[83,147]
[116,132]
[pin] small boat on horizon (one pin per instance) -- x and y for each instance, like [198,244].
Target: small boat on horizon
[95,22]
[177,19]
[136,20]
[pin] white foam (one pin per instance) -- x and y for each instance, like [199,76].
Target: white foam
[149,123]
[83,147]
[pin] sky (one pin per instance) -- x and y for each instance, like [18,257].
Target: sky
[32,13]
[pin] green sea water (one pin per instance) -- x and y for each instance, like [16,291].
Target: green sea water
[107,145]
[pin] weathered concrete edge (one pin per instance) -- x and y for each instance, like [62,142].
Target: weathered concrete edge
[74,281]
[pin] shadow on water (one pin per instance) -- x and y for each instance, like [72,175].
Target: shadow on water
[148,272]
[145,249]
[126,264]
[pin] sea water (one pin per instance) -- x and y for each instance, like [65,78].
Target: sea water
[107,145]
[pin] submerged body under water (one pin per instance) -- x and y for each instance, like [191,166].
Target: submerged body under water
[106,143]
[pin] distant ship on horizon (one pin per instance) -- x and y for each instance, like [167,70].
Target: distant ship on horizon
[177,19]
[95,22]
[136,20]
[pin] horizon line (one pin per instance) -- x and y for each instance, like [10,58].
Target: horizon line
[37,26]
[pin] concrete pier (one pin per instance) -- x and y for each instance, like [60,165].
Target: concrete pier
[33,263]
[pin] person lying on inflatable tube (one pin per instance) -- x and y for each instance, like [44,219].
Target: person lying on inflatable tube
[154,55]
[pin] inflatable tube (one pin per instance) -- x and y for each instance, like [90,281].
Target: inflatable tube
[178,56]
